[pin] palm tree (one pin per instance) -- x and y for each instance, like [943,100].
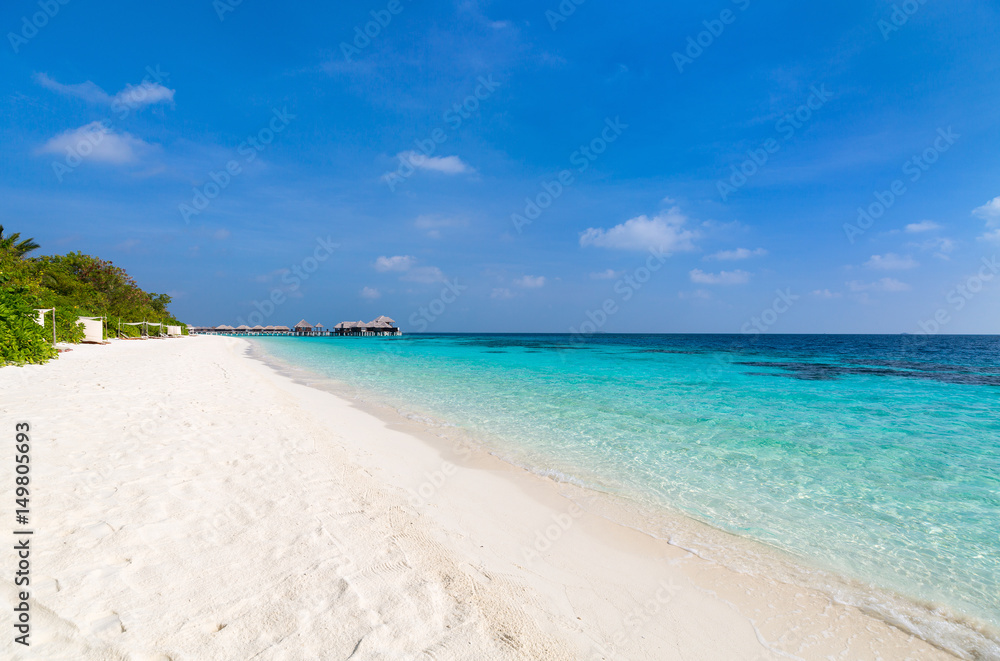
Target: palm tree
[11,243]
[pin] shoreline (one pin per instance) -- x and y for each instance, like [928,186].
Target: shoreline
[196,501]
[733,553]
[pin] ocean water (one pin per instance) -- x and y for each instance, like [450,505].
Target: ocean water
[875,457]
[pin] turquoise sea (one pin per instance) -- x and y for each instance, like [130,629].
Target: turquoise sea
[873,457]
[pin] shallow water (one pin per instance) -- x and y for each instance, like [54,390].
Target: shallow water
[877,457]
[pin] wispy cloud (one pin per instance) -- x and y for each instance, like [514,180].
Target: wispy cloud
[697,294]
[443,164]
[990,212]
[96,142]
[739,253]
[407,265]
[883,285]
[826,293]
[127,245]
[736,277]
[145,93]
[501,293]
[370,293]
[922,226]
[433,224]
[424,274]
[397,263]
[610,274]
[530,281]
[940,246]
[891,262]
[663,232]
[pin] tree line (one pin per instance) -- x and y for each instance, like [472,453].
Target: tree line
[77,285]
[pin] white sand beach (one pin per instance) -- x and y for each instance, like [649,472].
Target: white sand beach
[190,502]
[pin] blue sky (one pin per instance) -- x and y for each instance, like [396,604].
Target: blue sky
[509,166]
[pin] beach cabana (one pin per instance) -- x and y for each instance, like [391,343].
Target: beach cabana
[281,329]
[93,330]
[242,328]
[257,329]
[303,327]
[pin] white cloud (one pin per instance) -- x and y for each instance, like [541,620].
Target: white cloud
[739,253]
[922,226]
[610,274]
[222,234]
[370,293]
[444,164]
[891,262]
[990,212]
[96,142]
[501,293]
[424,274]
[721,278]
[397,263]
[826,293]
[663,232]
[145,93]
[530,281]
[885,284]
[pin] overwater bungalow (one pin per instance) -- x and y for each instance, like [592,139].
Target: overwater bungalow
[379,326]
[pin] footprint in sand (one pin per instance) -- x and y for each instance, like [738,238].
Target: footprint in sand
[107,626]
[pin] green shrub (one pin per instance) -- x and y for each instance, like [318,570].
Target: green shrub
[22,339]
[68,326]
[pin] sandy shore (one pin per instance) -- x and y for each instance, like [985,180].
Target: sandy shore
[190,502]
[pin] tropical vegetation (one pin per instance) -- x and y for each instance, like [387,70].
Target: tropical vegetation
[76,285]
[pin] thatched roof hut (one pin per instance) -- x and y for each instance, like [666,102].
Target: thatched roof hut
[303,326]
[281,329]
[385,319]
[257,328]
[242,327]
